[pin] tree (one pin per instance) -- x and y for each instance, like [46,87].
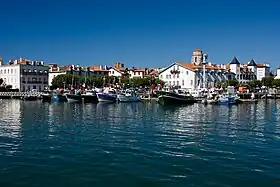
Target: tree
[1,81]
[267,81]
[276,82]
[255,83]
[232,82]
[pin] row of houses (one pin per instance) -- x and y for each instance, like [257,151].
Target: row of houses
[24,74]
[190,75]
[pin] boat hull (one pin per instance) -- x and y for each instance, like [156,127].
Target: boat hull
[171,100]
[46,97]
[227,102]
[60,98]
[103,97]
[90,98]
[73,98]
[127,99]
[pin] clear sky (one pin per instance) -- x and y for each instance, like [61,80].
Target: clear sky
[142,33]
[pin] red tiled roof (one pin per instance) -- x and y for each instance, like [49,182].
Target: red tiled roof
[192,67]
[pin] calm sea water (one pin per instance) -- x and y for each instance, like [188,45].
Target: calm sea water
[140,144]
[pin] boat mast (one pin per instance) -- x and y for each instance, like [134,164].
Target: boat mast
[204,69]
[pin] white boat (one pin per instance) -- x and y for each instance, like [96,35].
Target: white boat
[128,96]
[108,95]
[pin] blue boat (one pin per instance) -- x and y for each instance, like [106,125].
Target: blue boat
[229,98]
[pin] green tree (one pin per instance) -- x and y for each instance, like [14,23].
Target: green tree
[255,83]
[232,82]
[267,81]
[276,82]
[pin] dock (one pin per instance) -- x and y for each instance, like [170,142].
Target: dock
[18,95]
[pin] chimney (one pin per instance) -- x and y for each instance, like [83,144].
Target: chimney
[1,61]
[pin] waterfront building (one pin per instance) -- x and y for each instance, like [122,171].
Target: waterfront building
[190,75]
[24,74]
[137,72]
[277,73]
[76,70]
[245,73]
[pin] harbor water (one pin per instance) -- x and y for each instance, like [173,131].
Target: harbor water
[139,144]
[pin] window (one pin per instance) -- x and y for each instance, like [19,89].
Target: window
[28,88]
[8,71]
[161,76]
[23,88]
[40,88]
[15,71]
[177,83]
[11,71]
[1,71]
[4,71]
[177,67]
[195,59]
[182,82]
[174,83]
[167,76]
[138,73]
[187,72]
[191,82]
[169,82]
[177,75]
[34,86]
[174,76]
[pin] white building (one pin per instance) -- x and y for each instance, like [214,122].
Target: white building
[115,72]
[245,73]
[277,74]
[24,74]
[76,70]
[190,75]
[137,73]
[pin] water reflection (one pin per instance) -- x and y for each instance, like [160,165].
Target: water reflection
[10,118]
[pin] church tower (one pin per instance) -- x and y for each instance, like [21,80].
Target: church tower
[197,57]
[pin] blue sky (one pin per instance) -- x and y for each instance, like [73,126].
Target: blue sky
[139,33]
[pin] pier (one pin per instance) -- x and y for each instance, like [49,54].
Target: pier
[18,95]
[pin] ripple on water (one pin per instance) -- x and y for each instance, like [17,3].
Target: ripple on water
[140,144]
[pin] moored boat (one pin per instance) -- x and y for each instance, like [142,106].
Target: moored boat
[128,96]
[108,95]
[174,97]
[229,98]
[89,97]
[73,98]
[46,96]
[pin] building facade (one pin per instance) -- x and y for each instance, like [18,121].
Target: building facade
[245,73]
[191,75]
[76,70]
[24,74]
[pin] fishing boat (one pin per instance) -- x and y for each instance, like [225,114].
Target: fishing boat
[128,96]
[46,96]
[177,96]
[74,97]
[59,96]
[89,97]
[108,95]
[229,97]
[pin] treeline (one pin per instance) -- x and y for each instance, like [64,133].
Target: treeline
[266,81]
[68,80]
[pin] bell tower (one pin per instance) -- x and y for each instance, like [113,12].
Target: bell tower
[197,57]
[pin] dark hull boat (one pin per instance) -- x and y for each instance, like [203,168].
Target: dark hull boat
[60,98]
[74,98]
[172,98]
[46,97]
